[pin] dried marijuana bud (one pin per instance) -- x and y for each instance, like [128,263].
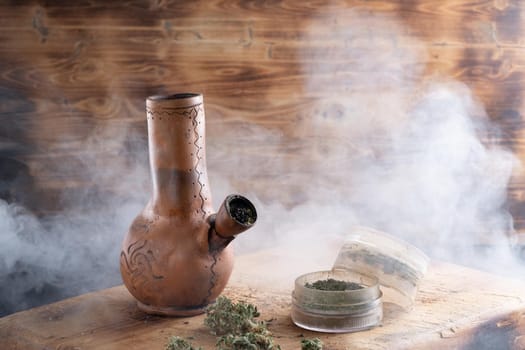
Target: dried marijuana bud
[177,343]
[247,341]
[225,317]
[311,344]
[238,327]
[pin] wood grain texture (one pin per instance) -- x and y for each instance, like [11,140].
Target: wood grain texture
[455,309]
[72,71]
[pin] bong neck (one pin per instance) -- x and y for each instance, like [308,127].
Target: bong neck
[176,136]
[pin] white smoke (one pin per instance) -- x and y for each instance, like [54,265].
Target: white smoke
[76,250]
[379,144]
[383,145]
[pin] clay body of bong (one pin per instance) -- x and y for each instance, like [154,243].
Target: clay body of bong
[175,259]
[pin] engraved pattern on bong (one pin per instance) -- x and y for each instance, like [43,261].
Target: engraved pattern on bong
[139,259]
[199,154]
[189,112]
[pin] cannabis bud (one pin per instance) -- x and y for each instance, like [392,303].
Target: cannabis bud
[177,343]
[250,340]
[311,344]
[225,317]
[237,326]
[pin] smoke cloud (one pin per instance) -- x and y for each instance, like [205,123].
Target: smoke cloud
[392,147]
[75,251]
[381,146]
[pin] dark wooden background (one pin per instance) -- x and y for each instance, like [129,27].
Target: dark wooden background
[73,73]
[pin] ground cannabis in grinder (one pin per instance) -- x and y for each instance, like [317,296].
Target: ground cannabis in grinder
[333,285]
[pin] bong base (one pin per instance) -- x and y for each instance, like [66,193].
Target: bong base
[172,311]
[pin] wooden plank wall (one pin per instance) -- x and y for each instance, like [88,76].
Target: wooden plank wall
[71,68]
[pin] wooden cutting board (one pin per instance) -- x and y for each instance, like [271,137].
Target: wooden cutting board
[456,308]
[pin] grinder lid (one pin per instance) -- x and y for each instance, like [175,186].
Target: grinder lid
[398,265]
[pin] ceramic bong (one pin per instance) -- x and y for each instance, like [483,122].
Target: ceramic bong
[175,259]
